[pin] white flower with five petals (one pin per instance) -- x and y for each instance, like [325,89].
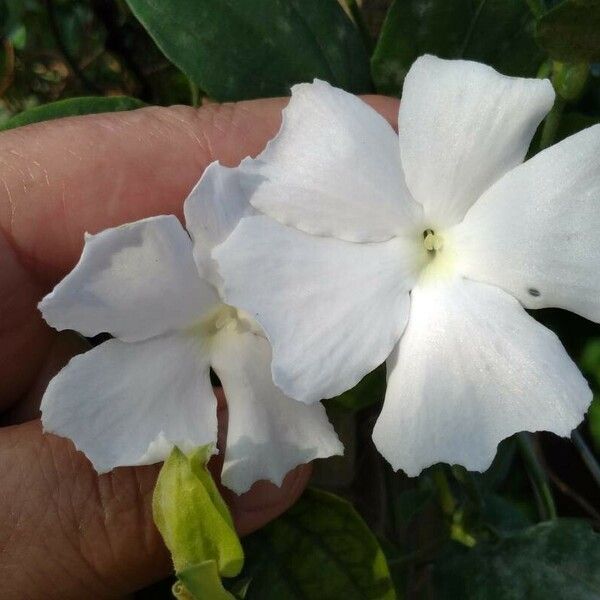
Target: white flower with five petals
[424,248]
[130,399]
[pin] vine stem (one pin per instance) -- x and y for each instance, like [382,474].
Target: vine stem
[538,478]
[537,7]
[194,94]
[358,19]
[447,501]
[551,123]
[587,455]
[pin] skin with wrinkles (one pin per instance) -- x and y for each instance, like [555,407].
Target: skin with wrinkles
[65,532]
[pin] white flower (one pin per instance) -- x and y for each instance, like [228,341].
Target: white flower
[129,400]
[423,248]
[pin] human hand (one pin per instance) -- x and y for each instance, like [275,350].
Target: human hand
[66,532]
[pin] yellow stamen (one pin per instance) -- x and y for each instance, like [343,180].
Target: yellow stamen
[432,241]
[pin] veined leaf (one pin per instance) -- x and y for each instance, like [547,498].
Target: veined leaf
[555,559]
[319,550]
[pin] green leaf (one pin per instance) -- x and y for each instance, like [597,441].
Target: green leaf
[411,502]
[570,32]
[593,419]
[71,107]
[590,361]
[555,559]
[500,467]
[319,550]
[590,364]
[369,390]
[11,14]
[496,32]
[236,50]
[195,524]
[503,515]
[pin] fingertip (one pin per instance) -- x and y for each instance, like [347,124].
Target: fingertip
[265,501]
[386,106]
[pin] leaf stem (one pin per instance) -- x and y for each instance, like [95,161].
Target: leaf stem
[194,94]
[586,455]
[359,21]
[447,501]
[551,123]
[390,481]
[537,475]
[537,7]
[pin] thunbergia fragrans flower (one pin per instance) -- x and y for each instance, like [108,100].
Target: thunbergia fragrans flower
[130,399]
[424,248]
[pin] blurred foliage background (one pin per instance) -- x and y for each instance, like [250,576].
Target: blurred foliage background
[56,49]
[448,533]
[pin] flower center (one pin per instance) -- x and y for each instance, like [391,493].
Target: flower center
[437,258]
[224,318]
[432,241]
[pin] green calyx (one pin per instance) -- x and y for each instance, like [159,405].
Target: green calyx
[196,526]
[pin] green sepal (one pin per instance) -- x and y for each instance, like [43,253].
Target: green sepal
[194,521]
[199,582]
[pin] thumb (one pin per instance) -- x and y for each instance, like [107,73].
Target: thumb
[66,532]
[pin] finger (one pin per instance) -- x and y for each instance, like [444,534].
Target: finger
[62,348]
[60,179]
[66,533]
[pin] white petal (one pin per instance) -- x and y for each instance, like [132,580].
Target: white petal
[333,169]
[333,310]
[134,281]
[472,369]
[268,433]
[212,210]
[127,404]
[535,233]
[462,126]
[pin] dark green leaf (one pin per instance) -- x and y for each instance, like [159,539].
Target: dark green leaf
[4,17]
[590,358]
[590,364]
[319,550]
[72,107]
[11,12]
[570,32]
[502,515]
[556,559]
[593,419]
[369,390]
[496,32]
[238,50]
[498,470]
[411,502]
